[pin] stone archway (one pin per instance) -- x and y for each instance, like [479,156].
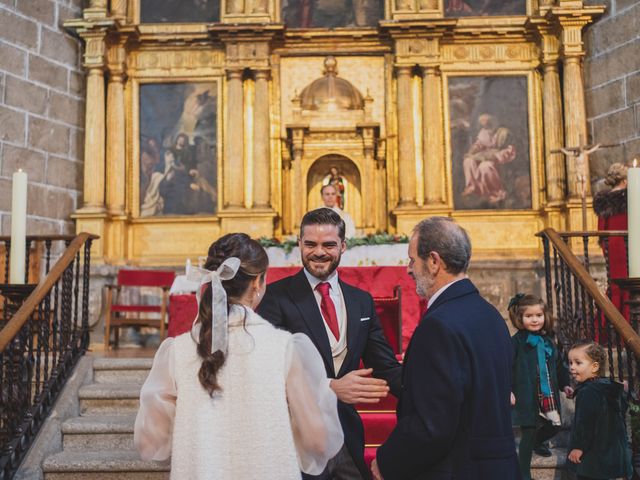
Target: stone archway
[317,176]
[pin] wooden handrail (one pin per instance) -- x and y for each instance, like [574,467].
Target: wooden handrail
[601,233]
[14,325]
[40,238]
[630,337]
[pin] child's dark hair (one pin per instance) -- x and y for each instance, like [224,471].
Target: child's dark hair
[253,263]
[595,352]
[520,302]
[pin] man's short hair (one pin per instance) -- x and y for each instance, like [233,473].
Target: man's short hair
[448,239]
[328,185]
[323,216]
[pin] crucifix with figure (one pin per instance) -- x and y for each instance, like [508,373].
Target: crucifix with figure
[581,154]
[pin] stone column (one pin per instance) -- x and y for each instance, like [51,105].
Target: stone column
[261,141]
[94,129]
[234,145]
[575,127]
[434,192]
[553,132]
[115,149]
[406,142]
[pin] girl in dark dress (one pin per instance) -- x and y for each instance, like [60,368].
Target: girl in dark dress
[598,449]
[537,375]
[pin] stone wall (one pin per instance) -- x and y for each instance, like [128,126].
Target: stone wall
[612,78]
[41,111]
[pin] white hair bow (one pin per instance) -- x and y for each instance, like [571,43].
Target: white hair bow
[219,316]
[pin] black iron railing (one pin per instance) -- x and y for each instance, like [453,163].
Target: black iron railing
[45,330]
[583,308]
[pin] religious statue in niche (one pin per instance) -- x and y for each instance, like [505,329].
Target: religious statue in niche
[466,8]
[334,178]
[332,13]
[178,166]
[489,143]
[179,11]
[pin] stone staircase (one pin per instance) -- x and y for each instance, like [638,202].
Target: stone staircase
[97,444]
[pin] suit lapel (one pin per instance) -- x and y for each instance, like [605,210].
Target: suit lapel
[353,323]
[305,302]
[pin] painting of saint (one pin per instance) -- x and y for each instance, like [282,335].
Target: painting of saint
[467,8]
[179,11]
[489,143]
[332,13]
[178,165]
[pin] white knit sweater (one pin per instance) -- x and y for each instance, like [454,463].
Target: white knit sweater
[243,432]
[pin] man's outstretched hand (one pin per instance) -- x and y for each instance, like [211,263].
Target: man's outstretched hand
[358,386]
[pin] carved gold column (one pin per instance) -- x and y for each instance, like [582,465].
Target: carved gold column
[572,20]
[115,149]
[94,144]
[369,210]
[432,136]
[575,126]
[119,9]
[553,121]
[297,184]
[406,142]
[96,9]
[261,143]
[287,214]
[381,191]
[234,145]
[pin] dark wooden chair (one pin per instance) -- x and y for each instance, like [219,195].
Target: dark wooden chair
[389,310]
[120,314]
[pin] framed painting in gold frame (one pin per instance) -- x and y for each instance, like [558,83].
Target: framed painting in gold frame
[490,149]
[175,158]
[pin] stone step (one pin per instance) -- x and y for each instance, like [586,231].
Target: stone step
[103,465]
[560,440]
[121,370]
[109,399]
[551,468]
[102,432]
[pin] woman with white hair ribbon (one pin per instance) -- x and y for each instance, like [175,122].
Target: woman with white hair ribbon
[236,397]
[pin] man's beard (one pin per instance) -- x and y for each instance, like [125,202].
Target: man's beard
[323,272]
[423,285]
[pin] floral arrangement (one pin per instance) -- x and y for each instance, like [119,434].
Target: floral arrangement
[372,239]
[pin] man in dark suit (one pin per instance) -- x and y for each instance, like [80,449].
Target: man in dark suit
[341,321]
[454,415]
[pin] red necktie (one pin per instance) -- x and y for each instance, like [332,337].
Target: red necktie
[328,309]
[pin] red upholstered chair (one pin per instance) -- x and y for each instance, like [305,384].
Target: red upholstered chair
[389,310]
[120,313]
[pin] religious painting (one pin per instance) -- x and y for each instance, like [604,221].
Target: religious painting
[489,143]
[332,13]
[179,11]
[178,136]
[468,8]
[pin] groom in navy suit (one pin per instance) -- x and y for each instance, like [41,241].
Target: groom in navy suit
[341,321]
[454,415]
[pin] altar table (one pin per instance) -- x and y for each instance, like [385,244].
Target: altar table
[378,281]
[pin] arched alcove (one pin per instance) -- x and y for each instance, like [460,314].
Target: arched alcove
[318,175]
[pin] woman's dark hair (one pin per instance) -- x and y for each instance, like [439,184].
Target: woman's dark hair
[520,302]
[595,352]
[253,263]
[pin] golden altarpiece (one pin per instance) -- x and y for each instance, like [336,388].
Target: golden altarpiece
[204,118]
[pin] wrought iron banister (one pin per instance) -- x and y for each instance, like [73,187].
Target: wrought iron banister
[42,338]
[586,283]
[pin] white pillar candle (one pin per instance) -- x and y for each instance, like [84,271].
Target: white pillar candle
[18,227]
[633,213]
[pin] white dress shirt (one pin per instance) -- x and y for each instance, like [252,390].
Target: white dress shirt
[339,346]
